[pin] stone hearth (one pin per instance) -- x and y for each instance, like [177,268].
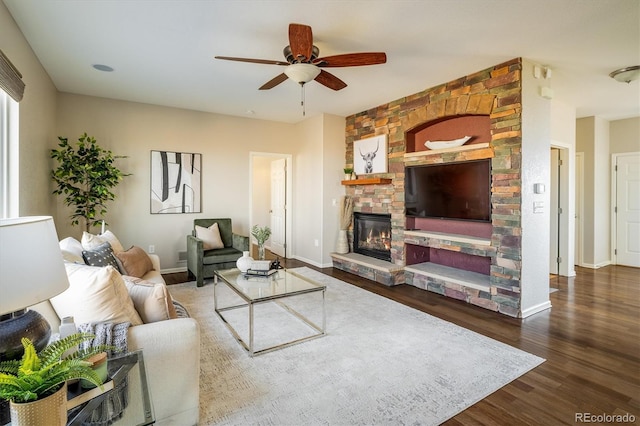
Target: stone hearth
[376,270]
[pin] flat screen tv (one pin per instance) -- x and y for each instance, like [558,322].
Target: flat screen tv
[460,191]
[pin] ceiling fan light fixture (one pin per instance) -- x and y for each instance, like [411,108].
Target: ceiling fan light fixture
[302,73]
[627,74]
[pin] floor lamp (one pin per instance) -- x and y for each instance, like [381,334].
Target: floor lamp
[31,271]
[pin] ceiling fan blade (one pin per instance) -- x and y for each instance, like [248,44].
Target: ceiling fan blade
[274,82]
[254,61]
[352,60]
[301,41]
[330,80]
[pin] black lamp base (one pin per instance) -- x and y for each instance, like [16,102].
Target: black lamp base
[13,327]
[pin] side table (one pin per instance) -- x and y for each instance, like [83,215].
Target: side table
[139,410]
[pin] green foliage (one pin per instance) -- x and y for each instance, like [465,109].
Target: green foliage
[38,375]
[261,234]
[85,176]
[348,170]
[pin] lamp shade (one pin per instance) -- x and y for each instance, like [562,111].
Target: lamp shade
[31,265]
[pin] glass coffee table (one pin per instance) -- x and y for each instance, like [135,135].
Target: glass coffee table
[248,292]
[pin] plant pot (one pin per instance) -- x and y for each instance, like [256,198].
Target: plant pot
[343,242]
[244,263]
[347,176]
[51,410]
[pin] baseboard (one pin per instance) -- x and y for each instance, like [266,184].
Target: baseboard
[535,309]
[597,265]
[311,262]
[173,270]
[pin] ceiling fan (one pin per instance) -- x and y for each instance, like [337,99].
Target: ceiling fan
[304,65]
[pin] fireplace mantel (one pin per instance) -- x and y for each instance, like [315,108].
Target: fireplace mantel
[370,181]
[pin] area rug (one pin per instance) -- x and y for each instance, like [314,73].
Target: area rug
[381,363]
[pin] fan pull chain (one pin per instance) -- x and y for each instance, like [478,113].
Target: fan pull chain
[302,100]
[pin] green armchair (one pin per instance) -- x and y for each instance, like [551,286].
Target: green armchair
[201,263]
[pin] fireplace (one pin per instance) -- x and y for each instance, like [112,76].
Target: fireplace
[372,235]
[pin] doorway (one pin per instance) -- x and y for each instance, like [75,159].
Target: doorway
[555,212]
[579,222]
[626,209]
[270,200]
[562,209]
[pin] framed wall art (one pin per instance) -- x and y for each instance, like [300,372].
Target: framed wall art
[176,182]
[370,155]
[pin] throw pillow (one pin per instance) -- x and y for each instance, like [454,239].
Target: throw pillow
[210,237]
[95,294]
[101,256]
[91,241]
[71,250]
[151,300]
[135,262]
[113,240]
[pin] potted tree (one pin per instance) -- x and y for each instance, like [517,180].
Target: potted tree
[86,176]
[35,385]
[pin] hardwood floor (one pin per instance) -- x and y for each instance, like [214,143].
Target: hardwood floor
[590,339]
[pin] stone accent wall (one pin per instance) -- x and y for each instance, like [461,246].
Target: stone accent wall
[495,92]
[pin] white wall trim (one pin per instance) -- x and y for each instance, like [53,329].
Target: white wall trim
[568,206]
[597,265]
[311,262]
[173,270]
[580,209]
[535,309]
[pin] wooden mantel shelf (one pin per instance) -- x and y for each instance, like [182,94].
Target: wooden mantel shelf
[371,181]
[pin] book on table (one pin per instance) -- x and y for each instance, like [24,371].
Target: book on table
[260,273]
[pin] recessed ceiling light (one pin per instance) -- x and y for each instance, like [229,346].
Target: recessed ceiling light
[250,112]
[101,67]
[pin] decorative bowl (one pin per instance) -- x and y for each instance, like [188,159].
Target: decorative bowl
[447,144]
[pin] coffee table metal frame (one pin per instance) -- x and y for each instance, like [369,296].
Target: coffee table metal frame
[250,302]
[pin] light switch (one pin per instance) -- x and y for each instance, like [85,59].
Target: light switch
[538,206]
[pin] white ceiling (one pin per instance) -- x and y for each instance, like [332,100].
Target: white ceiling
[162,51]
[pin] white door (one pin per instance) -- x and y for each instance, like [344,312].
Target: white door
[628,210]
[278,209]
[554,208]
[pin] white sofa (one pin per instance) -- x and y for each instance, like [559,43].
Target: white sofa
[171,351]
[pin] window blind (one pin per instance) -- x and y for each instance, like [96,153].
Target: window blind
[10,78]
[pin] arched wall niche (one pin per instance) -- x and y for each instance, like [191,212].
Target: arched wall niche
[446,118]
[449,128]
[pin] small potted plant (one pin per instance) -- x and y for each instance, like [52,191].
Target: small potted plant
[261,235]
[35,385]
[347,173]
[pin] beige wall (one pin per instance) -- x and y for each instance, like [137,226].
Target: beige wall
[625,135]
[592,138]
[332,189]
[225,142]
[37,121]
